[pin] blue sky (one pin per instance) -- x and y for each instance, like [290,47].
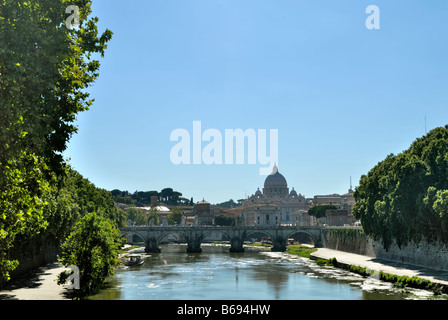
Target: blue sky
[341,96]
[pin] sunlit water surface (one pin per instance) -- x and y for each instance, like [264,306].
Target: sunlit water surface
[216,274]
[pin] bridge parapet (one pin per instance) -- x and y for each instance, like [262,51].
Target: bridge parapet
[194,235]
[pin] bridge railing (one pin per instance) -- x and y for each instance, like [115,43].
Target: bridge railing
[282,227]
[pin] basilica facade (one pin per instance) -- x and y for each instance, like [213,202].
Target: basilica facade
[276,205]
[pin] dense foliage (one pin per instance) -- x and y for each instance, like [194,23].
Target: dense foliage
[224,220]
[143,198]
[229,204]
[399,281]
[45,69]
[92,247]
[405,196]
[136,216]
[319,210]
[300,250]
[74,198]
[175,217]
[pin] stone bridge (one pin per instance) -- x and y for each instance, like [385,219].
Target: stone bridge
[153,236]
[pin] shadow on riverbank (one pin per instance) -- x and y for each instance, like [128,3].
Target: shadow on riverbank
[40,284]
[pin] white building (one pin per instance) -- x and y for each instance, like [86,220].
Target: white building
[276,205]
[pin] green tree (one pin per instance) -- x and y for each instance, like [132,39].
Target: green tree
[153,217]
[166,195]
[136,216]
[224,220]
[404,197]
[175,217]
[228,204]
[74,198]
[93,247]
[319,211]
[65,205]
[45,70]
[22,202]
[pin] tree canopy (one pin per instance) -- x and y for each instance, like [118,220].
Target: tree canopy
[143,198]
[93,247]
[175,217]
[319,211]
[224,220]
[228,204]
[45,71]
[405,196]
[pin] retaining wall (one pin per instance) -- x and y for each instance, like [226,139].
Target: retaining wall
[430,255]
[31,260]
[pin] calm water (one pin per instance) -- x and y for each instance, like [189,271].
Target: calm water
[216,274]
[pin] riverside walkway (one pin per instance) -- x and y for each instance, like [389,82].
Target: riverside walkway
[399,269]
[40,284]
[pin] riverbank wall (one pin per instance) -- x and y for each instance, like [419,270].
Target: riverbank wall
[31,259]
[432,255]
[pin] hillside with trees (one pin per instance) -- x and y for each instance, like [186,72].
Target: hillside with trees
[229,204]
[166,196]
[405,196]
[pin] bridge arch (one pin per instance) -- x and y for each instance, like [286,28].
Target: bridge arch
[130,237]
[252,233]
[165,235]
[300,235]
[193,236]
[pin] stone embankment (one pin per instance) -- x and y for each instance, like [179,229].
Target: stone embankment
[353,240]
[350,246]
[375,264]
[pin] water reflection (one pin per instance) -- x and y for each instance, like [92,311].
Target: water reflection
[217,274]
[274,276]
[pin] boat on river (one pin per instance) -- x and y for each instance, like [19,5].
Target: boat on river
[134,260]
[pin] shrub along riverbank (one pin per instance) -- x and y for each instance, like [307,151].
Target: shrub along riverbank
[300,250]
[401,281]
[397,281]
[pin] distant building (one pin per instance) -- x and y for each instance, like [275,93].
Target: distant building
[337,217]
[343,203]
[276,205]
[203,213]
[162,212]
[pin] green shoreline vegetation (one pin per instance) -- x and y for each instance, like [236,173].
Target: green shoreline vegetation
[396,280]
[300,250]
[402,281]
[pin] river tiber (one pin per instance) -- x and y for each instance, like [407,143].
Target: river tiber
[200,260]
